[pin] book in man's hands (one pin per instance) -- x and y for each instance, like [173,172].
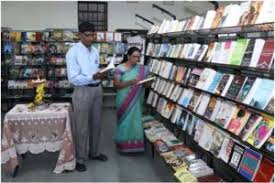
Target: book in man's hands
[109,67]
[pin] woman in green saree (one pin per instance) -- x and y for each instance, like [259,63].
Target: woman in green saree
[129,100]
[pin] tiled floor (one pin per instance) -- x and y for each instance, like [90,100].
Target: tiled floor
[119,168]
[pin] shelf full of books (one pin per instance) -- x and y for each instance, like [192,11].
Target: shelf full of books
[243,126]
[243,56]
[186,165]
[29,54]
[249,19]
[220,93]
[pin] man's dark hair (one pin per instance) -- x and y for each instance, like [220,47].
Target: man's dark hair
[86,26]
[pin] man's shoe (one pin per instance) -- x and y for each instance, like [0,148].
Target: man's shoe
[80,167]
[100,157]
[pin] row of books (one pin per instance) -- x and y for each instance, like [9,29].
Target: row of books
[110,48]
[175,153]
[249,163]
[30,48]
[57,72]
[24,60]
[56,35]
[245,52]
[235,87]
[235,119]
[35,36]
[108,36]
[245,13]
[33,60]
[27,84]
[26,72]
[105,59]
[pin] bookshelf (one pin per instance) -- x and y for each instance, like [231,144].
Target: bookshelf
[28,53]
[249,107]
[207,54]
[234,69]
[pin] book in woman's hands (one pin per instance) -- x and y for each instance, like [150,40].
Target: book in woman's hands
[146,80]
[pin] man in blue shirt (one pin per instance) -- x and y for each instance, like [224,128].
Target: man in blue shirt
[83,72]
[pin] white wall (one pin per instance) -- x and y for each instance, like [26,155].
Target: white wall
[33,15]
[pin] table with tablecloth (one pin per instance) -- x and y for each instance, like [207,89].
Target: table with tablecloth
[37,130]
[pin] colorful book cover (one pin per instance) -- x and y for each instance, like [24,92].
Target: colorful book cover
[203,103]
[226,148]
[194,100]
[183,175]
[238,52]
[180,74]
[210,107]
[269,144]
[236,156]
[266,57]
[58,34]
[217,53]
[201,53]
[270,105]
[262,131]
[194,77]
[109,36]
[248,53]
[15,36]
[265,171]
[250,125]
[210,52]
[7,48]
[100,36]
[206,139]
[266,90]
[161,146]
[249,164]
[222,84]
[182,119]
[245,88]
[250,16]
[235,87]
[238,120]
[224,113]
[30,36]
[216,145]
[206,77]
[218,17]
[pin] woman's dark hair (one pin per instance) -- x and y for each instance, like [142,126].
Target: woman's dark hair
[129,53]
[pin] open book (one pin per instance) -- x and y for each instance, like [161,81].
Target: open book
[109,67]
[146,80]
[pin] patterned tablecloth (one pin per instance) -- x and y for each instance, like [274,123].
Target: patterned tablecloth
[36,131]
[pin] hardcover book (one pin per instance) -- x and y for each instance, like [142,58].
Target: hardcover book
[235,87]
[238,120]
[218,137]
[248,53]
[245,88]
[250,125]
[226,148]
[266,56]
[249,164]
[236,155]
[262,131]
[238,52]
[265,171]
